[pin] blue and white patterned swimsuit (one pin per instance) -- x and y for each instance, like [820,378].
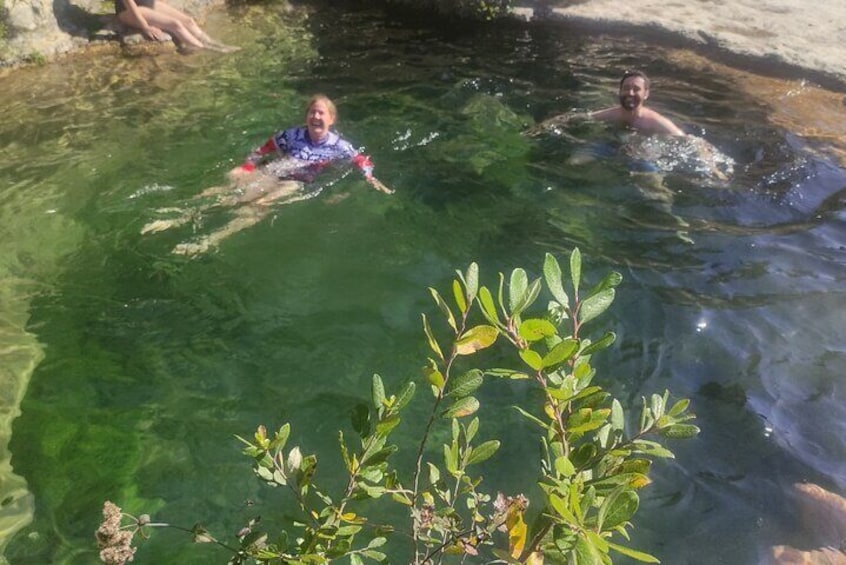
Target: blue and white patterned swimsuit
[295,143]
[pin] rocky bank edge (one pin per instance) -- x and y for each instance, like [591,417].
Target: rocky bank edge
[787,37]
[790,38]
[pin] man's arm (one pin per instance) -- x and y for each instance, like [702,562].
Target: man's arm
[661,124]
[608,115]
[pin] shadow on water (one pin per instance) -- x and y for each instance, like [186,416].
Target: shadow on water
[151,362]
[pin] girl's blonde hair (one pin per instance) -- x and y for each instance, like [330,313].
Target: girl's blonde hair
[326,100]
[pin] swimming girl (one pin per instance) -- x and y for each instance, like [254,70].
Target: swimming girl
[276,171]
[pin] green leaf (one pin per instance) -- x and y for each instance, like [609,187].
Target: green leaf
[458,294]
[552,274]
[535,329]
[434,473]
[564,467]
[374,555]
[444,308]
[451,460]
[355,559]
[586,420]
[532,359]
[528,299]
[586,552]
[466,384]
[566,395]
[679,407]
[385,426]
[652,448]
[379,456]
[618,421]
[560,353]
[517,288]
[405,395]
[611,280]
[476,339]
[472,428]
[576,268]
[462,407]
[559,506]
[617,507]
[679,431]
[638,555]
[482,452]
[434,377]
[531,418]
[472,280]
[601,343]
[592,307]
[657,406]
[377,392]
[432,343]
[377,542]
[280,438]
[360,419]
[507,374]
[488,307]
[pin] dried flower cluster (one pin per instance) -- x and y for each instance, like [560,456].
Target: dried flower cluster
[115,543]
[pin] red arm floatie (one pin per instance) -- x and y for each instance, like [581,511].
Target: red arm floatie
[257,155]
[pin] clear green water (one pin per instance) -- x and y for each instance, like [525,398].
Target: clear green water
[151,362]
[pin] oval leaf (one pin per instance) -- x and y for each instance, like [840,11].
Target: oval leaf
[475,339]
[680,431]
[536,329]
[595,305]
[458,294]
[552,274]
[465,384]
[560,353]
[462,407]
[532,359]
[483,452]
[576,268]
[619,508]
[405,395]
[432,342]
[436,296]
[517,288]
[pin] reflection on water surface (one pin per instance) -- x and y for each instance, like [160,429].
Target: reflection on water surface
[151,362]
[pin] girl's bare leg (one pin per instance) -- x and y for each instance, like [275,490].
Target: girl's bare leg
[192,26]
[161,19]
[251,213]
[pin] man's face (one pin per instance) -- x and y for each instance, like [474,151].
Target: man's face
[633,93]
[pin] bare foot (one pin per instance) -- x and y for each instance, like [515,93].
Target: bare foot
[191,248]
[162,225]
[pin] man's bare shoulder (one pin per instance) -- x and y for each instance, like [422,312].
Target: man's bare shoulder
[654,122]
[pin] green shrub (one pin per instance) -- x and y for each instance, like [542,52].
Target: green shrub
[592,461]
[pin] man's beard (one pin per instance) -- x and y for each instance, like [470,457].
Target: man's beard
[629,102]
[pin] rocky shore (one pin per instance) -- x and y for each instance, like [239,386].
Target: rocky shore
[38,30]
[789,37]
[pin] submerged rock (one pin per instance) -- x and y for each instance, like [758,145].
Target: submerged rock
[822,515]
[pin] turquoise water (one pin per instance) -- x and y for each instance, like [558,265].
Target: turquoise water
[148,362]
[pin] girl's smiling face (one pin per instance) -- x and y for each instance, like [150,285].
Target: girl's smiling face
[319,118]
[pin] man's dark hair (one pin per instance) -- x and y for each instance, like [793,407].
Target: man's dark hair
[641,74]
